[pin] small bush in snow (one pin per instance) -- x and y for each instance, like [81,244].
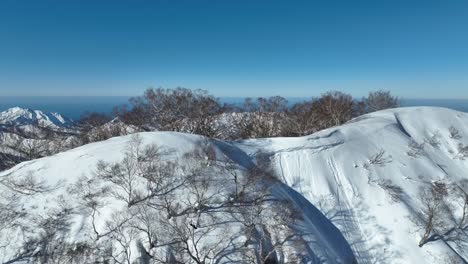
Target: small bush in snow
[434,140]
[454,133]
[415,149]
[380,159]
[462,152]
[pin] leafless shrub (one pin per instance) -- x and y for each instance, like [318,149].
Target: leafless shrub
[434,140]
[454,133]
[380,158]
[462,152]
[366,165]
[394,191]
[415,149]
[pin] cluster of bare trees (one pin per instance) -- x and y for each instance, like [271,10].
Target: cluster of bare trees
[196,111]
[380,100]
[16,146]
[166,109]
[208,210]
[94,127]
[16,221]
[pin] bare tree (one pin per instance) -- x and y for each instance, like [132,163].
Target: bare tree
[334,108]
[305,119]
[380,158]
[433,219]
[461,191]
[164,108]
[462,152]
[433,140]
[454,133]
[380,100]
[17,223]
[415,149]
[265,117]
[439,218]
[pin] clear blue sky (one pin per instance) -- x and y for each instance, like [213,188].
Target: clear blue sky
[234,47]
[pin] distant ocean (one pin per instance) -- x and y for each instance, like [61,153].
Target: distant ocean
[74,107]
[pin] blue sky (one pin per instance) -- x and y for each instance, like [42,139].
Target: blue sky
[234,47]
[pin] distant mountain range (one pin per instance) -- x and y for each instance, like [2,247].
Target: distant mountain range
[18,116]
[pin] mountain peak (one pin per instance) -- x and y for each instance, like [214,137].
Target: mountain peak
[23,116]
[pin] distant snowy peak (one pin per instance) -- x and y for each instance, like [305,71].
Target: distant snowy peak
[18,116]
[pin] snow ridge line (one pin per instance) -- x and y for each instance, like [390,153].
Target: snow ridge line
[400,125]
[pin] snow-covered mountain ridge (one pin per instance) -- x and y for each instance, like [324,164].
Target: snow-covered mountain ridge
[18,116]
[366,177]
[27,134]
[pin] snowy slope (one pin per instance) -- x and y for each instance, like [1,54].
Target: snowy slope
[325,242]
[331,169]
[336,173]
[17,116]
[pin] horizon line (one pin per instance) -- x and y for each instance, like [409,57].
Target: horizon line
[129,96]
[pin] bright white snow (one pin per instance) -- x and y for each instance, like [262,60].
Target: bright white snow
[331,171]
[19,117]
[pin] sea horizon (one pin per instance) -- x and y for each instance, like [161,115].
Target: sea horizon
[75,106]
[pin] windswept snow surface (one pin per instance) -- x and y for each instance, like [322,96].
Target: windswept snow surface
[330,176]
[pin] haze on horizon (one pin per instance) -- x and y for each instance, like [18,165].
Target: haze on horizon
[415,49]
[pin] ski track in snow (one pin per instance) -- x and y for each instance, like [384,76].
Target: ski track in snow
[351,227]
